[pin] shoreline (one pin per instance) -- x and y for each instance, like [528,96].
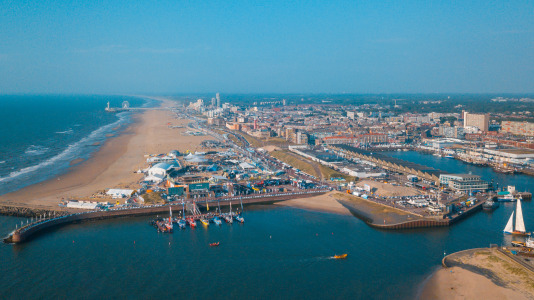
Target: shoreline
[480,273]
[325,203]
[112,165]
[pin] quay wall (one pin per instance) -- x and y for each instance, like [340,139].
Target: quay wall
[421,222]
[25,233]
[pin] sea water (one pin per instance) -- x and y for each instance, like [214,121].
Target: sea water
[41,135]
[279,252]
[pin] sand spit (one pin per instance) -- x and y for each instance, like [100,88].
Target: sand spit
[480,274]
[322,203]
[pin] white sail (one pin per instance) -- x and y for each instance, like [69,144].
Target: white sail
[519,223]
[510,225]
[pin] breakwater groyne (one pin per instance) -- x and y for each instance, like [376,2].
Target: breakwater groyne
[30,212]
[26,232]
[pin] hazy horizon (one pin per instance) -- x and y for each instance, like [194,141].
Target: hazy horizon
[341,47]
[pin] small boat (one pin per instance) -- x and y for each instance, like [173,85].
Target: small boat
[519,228]
[228,219]
[192,222]
[518,244]
[182,223]
[449,156]
[529,243]
[205,222]
[341,256]
[505,196]
[239,219]
[217,221]
[214,244]
[490,204]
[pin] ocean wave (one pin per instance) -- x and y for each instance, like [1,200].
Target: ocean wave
[72,151]
[70,131]
[35,150]
[2,162]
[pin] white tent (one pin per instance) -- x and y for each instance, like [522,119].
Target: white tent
[160,169]
[119,193]
[246,165]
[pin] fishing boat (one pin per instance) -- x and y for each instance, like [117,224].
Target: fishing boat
[341,256]
[192,222]
[182,223]
[228,218]
[239,219]
[490,204]
[217,221]
[214,244]
[519,228]
[204,221]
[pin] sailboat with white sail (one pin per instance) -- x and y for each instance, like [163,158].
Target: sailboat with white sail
[519,228]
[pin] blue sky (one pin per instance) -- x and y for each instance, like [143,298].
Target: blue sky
[256,47]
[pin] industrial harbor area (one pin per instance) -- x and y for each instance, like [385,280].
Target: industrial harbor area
[195,164]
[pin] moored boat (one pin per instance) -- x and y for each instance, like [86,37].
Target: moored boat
[204,222]
[505,196]
[490,204]
[518,244]
[182,223]
[239,218]
[192,222]
[217,221]
[228,218]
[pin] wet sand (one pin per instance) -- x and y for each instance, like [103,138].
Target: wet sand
[113,166]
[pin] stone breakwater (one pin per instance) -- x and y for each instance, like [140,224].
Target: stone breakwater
[27,212]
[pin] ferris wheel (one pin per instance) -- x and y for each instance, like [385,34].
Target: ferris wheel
[125,105]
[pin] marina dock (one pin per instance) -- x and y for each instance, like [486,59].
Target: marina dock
[25,233]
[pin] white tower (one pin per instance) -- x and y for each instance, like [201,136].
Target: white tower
[218,97]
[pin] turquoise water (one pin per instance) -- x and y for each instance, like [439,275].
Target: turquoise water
[41,135]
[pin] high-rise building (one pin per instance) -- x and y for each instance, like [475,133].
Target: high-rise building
[481,121]
[218,97]
[213,102]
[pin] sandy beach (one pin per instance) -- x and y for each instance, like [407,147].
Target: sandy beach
[322,203]
[480,274]
[114,164]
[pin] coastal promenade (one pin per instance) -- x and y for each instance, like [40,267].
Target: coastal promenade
[24,233]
